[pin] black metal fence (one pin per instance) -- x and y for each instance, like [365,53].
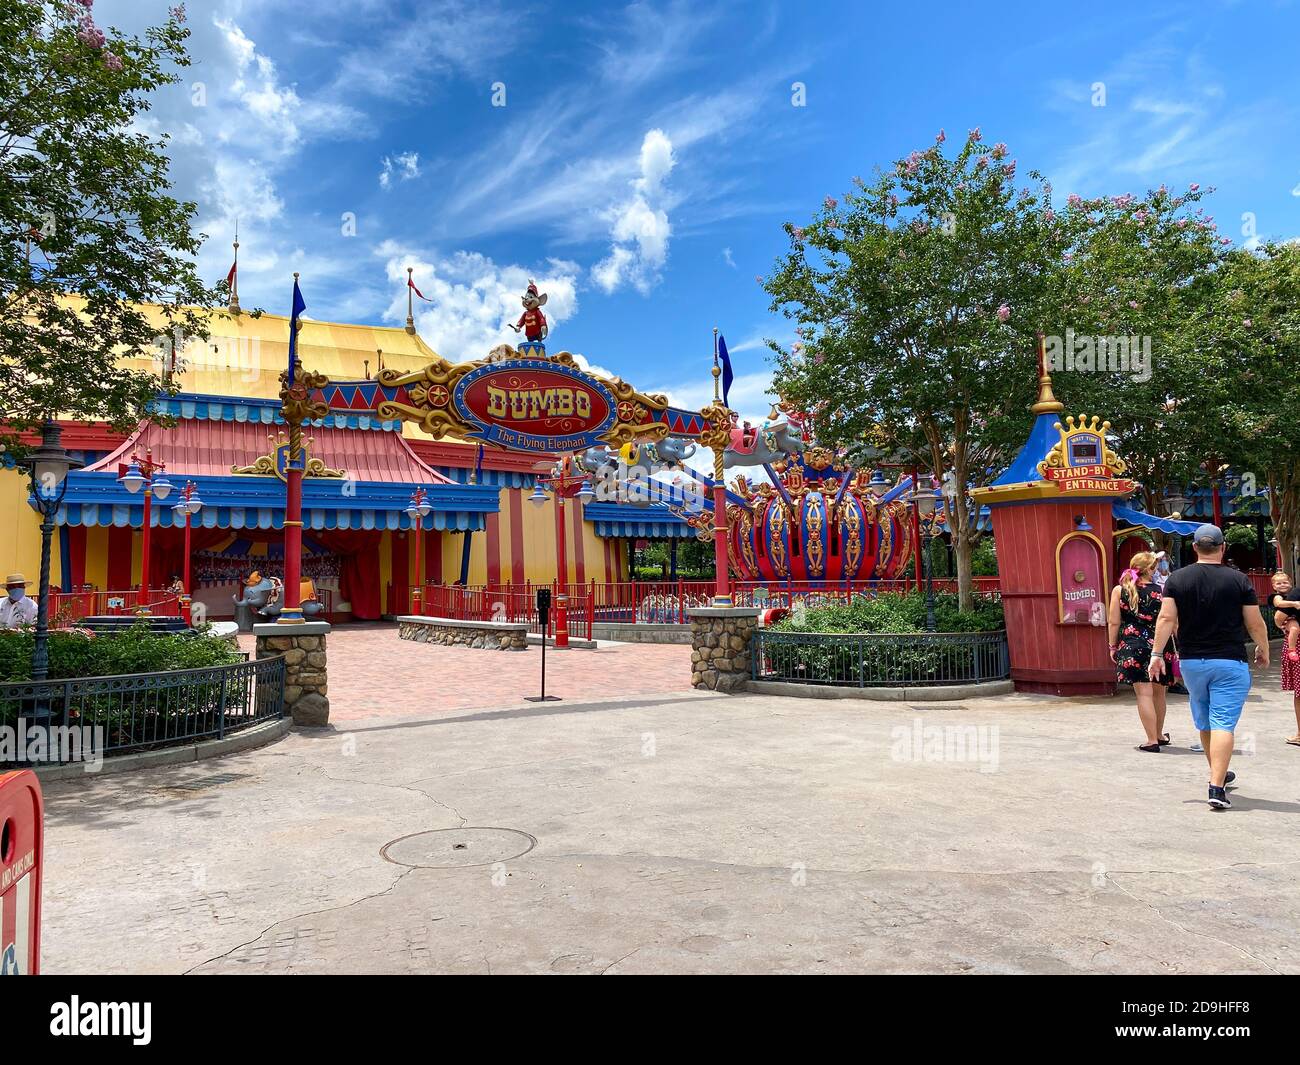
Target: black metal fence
[141,711]
[880,660]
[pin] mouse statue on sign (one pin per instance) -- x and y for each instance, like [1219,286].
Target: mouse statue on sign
[532,321]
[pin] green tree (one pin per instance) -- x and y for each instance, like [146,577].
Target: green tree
[88,229]
[917,297]
[1133,340]
[1254,326]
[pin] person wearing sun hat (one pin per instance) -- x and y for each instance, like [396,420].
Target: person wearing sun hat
[17,608]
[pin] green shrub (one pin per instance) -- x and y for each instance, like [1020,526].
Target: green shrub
[78,653]
[893,612]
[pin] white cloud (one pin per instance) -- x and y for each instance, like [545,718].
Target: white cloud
[727,258]
[406,165]
[475,300]
[640,228]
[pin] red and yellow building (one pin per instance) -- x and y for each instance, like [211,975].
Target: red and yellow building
[360,546]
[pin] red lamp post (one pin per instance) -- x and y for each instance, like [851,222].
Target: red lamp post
[564,481]
[417,510]
[189,505]
[147,474]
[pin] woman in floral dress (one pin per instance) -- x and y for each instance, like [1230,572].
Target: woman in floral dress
[1134,605]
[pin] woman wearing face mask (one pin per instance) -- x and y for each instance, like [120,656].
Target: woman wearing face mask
[1162,570]
[17,608]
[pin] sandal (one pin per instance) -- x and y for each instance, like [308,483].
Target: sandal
[1164,740]
[1294,741]
[1154,748]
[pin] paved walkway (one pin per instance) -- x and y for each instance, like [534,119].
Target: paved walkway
[374,674]
[688,832]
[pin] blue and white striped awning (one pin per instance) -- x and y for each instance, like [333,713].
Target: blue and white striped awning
[266,411]
[625,520]
[497,478]
[95,498]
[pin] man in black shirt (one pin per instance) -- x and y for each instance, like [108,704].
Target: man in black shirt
[1214,610]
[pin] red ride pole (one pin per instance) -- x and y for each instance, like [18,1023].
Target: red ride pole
[291,611]
[722,587]
[562,567]
[144,548]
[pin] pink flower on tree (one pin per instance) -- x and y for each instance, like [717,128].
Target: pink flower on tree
[1133,304]
[798,233]
[941,137]
[831,203]
[1247,322]
[88,33]
[999,150]
[1225,240]
[974,134]
[113,61]
[1049,215]
[1004,312]
[1010,169]
[1074,199]
[178,12]
[1194,187]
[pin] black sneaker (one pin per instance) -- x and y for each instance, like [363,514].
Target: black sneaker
[1219,798]
[1229,778]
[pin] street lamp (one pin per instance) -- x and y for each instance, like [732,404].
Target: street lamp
[48,468]
[927,504]
[563,481]
[417,510]
[189,505]
[149,475]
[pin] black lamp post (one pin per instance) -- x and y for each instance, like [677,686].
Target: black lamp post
[48,468]
[925,503]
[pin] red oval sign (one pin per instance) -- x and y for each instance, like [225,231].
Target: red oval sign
[536,402]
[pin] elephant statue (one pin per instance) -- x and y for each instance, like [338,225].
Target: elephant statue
[263,596]
[773,443]
[673,451]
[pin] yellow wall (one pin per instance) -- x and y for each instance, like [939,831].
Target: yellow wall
[20,532]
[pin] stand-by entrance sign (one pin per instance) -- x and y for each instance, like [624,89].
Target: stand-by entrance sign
[22,835]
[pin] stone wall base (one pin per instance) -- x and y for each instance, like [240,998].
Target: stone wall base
[720,638]
[306,678]
[488,636]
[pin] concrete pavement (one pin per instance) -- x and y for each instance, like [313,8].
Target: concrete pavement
[691,832]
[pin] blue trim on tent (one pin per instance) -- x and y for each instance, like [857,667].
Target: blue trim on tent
[1150,521]
[1042,438]
[202,407]
[239,502]
[628,519]
[65,558]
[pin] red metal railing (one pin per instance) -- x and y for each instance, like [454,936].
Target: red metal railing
[645,602]
[511,602]
[68,608]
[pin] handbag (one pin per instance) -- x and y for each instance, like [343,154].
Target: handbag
[1175,670]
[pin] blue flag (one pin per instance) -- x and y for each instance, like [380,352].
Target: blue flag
[727,375]
[299,305]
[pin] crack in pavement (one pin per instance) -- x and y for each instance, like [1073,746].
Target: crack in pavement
[298,917]
[1202,935]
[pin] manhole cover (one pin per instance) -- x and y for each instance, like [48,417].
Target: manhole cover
[452,848]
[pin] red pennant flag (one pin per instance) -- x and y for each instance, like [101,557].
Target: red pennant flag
[411,285]
[230,277]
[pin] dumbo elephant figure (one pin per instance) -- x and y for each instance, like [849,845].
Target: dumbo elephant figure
[772,444]
[673,451]
[264,595]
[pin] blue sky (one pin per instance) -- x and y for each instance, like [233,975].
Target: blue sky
[647,155]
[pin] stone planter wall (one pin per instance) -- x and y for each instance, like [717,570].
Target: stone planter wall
[306,688]
[720,637]
[485,635]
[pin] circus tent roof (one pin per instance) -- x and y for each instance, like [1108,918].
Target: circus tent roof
[214,435]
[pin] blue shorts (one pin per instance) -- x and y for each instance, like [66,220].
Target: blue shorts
[1218,688]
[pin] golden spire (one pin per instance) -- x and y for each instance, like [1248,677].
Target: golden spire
[410,316]
[1047,401]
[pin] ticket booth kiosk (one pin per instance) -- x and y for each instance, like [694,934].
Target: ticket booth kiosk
[1053,521]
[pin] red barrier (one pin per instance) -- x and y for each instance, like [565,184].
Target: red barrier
[22,839]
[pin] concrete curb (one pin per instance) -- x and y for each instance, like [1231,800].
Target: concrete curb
[535,640]
[244,740]
[641,632]
[943,694]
